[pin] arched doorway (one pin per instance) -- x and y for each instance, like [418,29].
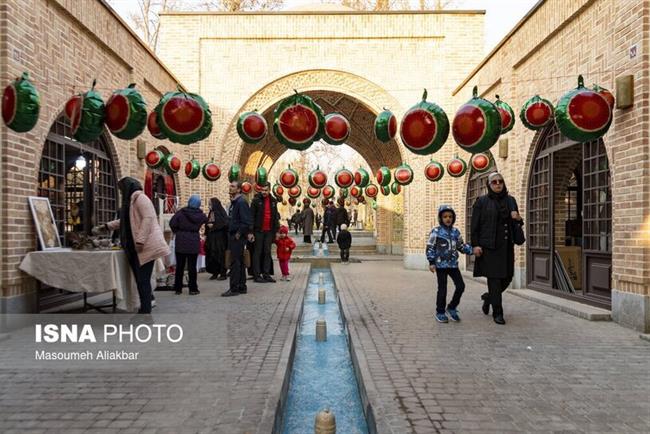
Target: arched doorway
[476,187]
[570,218]
[160,187]
[78,178]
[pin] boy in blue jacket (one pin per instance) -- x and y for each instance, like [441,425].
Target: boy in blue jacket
[443,246]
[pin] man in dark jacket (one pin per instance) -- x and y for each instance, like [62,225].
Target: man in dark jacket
[238,233]
[328,222]
[341,216]
[186,225]
[266,222]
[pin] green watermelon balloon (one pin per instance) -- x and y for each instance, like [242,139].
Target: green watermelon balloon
[278,190]
[344,178]
[383,176]
[395,188]
[481,162]
[251,127]
[536,113]
[313,192]
[609,97]
[456,167]
[295,191]
[234,173]
[328,191]
[317,178]
[434,171]
[582,114]
[356,191]
[372,191]
[385,190]
[288,177]
[184,118]
[246,187]
[20,104]
[261,176]
[154,158]
[87,115]
[477,124]
[192,169]
[361,177]
[385,126]
[507,115]
[298,122]
[172,163]
[403,174]
[126,113]
[211,171]
[153,127]
[424,128]
[337,129]
[343,193]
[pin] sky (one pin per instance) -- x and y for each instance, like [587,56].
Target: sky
[500,17]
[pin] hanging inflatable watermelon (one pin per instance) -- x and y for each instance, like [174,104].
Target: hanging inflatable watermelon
[257,188]
[385,190]
[246,187]
[344,178]
[172,163]
[152,126]
[71,105]
[288,177]
[292,201]
[356,191]
[126,113]
[298,122]
[317,178]
[582,114]
[372,191]
[234,173]
[343,193]
[251,127]
[536,113]
[403,174]
[337,129]
[20,104]
[373,204]
[383,176]
[434,171]
[278,190]
[395,188]
[328,192]
[306,201]
[477,124]
[154,158]
[385,126]
[424,128]
[87,115]
[211,171]
[261,176]
[480,162]
[507,115]
[609,97]
[313,192]
[183,117]
[456,167]
[361,177]
[295,191]
[192,169]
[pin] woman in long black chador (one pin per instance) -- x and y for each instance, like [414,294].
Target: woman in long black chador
[217,240]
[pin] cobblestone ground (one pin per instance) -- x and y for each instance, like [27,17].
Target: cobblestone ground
[545,371]
[232,387]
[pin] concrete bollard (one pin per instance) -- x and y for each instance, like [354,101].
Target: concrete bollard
[321,296]
[321,330]
[325,422]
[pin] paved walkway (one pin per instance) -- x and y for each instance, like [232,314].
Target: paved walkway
[545,371]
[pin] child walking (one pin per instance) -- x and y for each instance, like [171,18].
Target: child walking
[285,246]
[443,246]
[344,240]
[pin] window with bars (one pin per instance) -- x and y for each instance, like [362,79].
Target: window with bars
[597,198]
[79,180]
[538,204]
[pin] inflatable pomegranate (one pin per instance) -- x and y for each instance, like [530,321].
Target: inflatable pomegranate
[328,191]
[298,122]
[246,187]
[372,191]
[313,192]
[337,129]
[403,174]
[183,117]
[456,167]
[211,171]
[383,176]
[344,178]
[21,104]
[536,113]
[582,114]
[317,178]
[154,158]
[234,173]
[87,113]
[126,113]
[507,115]
[192,169]
[172,163]
[251,127]
[434,171]
[361,177]
[295,191]
[481,162]
[424,128]
[288,177]
[477,124]
[153,127]
[385,126]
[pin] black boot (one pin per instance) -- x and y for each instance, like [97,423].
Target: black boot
[499,319]
[229,293]
[486,303]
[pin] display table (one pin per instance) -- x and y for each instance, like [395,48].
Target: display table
[94,271]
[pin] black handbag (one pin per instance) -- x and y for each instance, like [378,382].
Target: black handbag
[518,236]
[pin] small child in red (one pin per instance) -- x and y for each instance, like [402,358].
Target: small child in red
[285,246]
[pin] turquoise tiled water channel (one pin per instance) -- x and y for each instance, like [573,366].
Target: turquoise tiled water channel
[322,375]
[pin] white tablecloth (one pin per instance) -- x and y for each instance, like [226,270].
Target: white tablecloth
[88,271]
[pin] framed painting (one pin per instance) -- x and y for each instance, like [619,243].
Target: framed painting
[48,233]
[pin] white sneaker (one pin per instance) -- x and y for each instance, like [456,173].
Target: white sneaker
[283,278]
[288,278]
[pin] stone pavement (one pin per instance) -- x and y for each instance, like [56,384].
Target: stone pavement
[227,380]
[545,371]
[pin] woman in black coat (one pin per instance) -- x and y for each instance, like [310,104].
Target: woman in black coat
[217,240]
[186,225]
[493,218]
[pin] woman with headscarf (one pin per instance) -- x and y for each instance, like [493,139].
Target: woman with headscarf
[141,236]
[217,240]
[186,225]
[493,218]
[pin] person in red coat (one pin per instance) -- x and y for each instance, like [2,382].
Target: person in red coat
[285,246]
